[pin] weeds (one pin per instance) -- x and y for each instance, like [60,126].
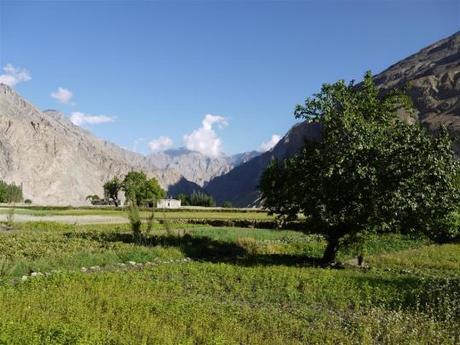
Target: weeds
[410,295]
[10,224]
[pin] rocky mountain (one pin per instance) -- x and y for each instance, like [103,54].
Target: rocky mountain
[58,162]
[433,77]
[239,186]
[195,166]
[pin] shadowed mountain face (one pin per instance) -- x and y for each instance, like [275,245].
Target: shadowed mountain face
[433,75]
[58,162]
[239,186]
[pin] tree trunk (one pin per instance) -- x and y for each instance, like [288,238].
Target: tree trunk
[331,250]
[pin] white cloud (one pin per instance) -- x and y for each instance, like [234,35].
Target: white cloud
[81,119]
[205,139]
[63,95]
[267,145]
[136,143]
[14,75]
[160,144]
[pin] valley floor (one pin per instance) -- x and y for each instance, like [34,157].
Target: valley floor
[92,284]
[117,216]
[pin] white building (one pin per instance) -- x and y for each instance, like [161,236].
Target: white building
[168,203]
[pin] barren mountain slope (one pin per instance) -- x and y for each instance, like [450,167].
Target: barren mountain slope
[56,161]
[195,166]
[433,79]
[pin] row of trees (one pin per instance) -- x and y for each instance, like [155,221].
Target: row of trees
[10,193]
[196,199]
[370,173]
[137,188]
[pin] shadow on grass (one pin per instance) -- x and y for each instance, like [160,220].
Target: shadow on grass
[203,249]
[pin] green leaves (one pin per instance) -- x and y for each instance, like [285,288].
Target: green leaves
[140,189]
[370,170]
[111,190]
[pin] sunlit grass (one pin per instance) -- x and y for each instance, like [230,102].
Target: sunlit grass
[243,286]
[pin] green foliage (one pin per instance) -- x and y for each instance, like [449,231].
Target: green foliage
[93,199]
[134,219]
[10,224]
[196,199]
[201,199]
[27,201]
[410,296]
[112,189]
[227,204]
[184,199]
[369,172]
[144,191]
[207,303]
[10,193]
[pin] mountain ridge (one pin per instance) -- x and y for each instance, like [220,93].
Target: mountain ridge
[56,161]
[434,77]
[195,166]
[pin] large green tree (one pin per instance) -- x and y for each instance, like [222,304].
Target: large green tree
[141,190]
[370,172]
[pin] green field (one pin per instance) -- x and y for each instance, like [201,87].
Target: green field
[203,285]
[169,214]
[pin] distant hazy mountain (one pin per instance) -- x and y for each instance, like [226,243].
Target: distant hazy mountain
[58,162]
[195,166]
[434,76]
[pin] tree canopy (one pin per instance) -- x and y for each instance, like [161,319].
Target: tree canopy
[112,189]
[370,171]
[140,189]
[10,192]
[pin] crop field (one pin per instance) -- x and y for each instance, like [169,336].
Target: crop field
[93,284]
[183,213]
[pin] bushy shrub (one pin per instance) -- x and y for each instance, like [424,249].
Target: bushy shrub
[227,204]
[134,219]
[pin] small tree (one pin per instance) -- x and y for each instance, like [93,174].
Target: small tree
[153,192]
[370,171]
[93,199]
[112,189]
[227,204]
[184,199]
[134,219]
[144,191]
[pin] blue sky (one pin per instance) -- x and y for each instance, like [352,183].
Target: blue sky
[157,68]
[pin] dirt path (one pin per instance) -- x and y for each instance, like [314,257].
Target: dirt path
[84,219]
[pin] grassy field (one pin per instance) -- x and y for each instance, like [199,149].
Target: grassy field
[203,285]
[168,214]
